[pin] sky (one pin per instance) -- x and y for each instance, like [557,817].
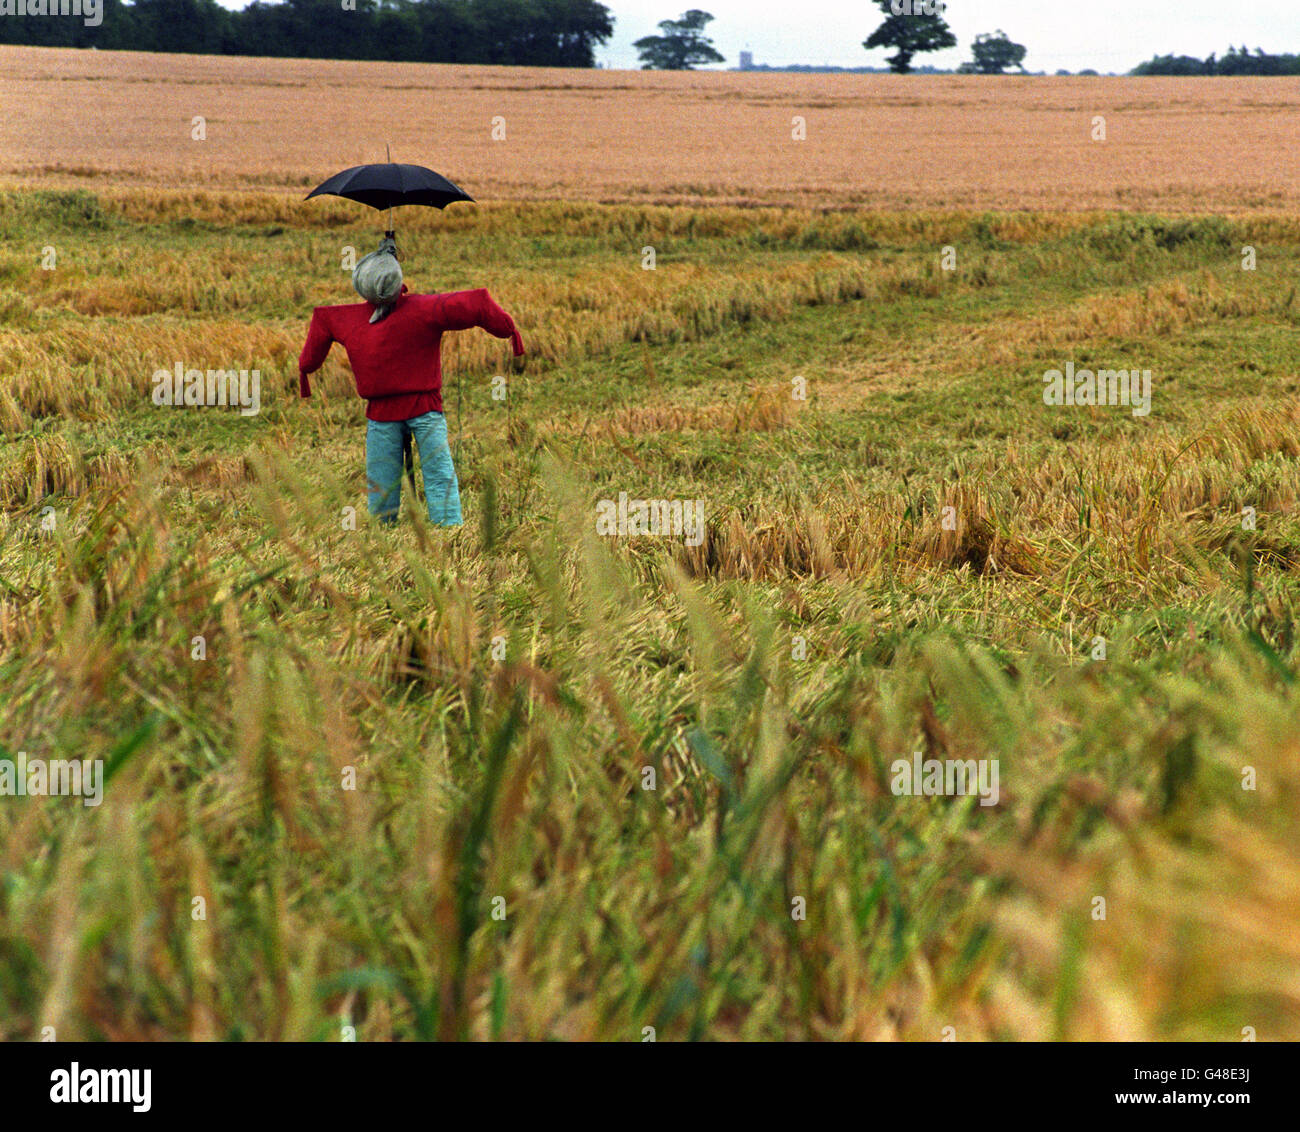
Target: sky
[1105,35]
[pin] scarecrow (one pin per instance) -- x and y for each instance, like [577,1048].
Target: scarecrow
[393,342]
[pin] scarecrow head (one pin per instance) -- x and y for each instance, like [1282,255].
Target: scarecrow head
[378,279]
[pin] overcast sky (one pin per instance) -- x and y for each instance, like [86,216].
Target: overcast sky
[1106,35]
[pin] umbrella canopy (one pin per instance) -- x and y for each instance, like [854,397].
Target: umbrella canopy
[389,184]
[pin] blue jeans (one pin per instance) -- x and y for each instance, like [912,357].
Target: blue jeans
[384,443]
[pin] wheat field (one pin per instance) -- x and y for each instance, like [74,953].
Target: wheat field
[80,117]
[393,784]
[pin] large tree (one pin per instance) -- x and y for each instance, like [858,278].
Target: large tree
[545,33]
[201,27]
[994,53]
[910,28]
[682,46]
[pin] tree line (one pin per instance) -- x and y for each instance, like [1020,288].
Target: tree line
[545,33]
[1235,62]
[554,33]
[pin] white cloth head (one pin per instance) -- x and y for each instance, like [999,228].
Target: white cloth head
[378,279]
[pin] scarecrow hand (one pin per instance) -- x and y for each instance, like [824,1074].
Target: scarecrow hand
[519,364]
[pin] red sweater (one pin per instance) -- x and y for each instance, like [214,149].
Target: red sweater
[397,362]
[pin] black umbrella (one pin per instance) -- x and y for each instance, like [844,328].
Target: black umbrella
[389,184]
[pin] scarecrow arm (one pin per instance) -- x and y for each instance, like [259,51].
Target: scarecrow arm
[319,340]
[462,310]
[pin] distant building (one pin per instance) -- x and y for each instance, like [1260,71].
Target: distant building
[746,60]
